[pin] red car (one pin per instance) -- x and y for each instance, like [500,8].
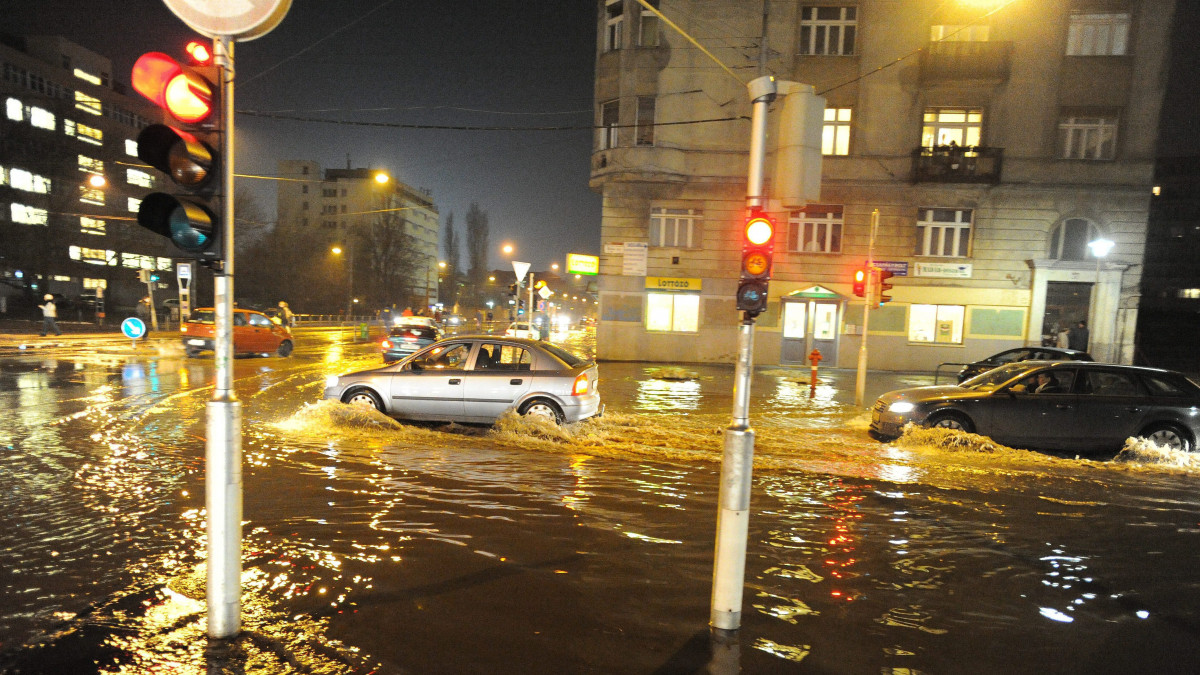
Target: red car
[253,333]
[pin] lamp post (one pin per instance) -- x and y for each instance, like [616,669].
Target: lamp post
[1100,249]
[348,265]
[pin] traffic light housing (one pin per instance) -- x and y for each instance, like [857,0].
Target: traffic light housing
[189,154]
[882,288]
[860,282]
[758,248]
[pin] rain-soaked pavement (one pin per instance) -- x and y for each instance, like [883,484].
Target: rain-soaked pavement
[371,546]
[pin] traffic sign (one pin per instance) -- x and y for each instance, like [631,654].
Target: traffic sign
[133,328]
[243,20]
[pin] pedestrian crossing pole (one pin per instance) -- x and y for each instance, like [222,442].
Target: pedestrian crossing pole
[860,384]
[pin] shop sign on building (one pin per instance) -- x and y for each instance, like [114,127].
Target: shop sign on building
[944,270]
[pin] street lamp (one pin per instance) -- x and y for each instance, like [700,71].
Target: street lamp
[1100,248]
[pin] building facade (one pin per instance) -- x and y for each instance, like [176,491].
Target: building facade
[996,140]
[348,207]
[71,181]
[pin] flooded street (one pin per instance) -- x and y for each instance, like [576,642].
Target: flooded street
[373,546]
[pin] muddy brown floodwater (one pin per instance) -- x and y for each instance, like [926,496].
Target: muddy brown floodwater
[373,546]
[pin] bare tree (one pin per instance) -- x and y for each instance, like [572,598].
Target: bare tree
[449,288]
[391,258]
[477,246]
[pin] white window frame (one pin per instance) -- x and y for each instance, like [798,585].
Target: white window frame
[827,37]
[925,324]
[816,229]
[1098,34]
[609,125]
[835,131]
[648,26]
[675,228]
[1058,238]
[644,125]
[1088,137]
[614,21]
[943,125]
[672,312]
[937,234]
[28,215]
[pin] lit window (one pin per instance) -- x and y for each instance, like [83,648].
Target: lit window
[88,104]
[131,147]
[93,256]
[645,120]
[134,204]
[28,215]
[91,195]
[943,126]
[828,30]
[90,134]
[1088,137]
[91,164]
[944,232]
[29,182]
[164,264]
[936,323]
[3,176]
[15,110]
[86,76]
[137,261]
[59,277]
[95,283]
[41,118]
[673,312]
[675,228]
[139,177]
[89,225]
[816,229]
[835,133]
[1097,34]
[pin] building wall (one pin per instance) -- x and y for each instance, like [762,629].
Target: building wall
[1019,77]
[87,124]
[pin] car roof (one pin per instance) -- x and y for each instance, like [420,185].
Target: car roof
[1096,365]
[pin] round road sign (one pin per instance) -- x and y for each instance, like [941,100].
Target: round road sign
[133,328]
[239,19]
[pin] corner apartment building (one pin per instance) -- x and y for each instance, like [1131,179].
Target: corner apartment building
[995,138]
[65,122]
[338,204]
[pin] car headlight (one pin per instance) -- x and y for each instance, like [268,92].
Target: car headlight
[331,381]
[901,407]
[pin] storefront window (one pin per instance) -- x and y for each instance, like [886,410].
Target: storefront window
[941,324]
[673,312]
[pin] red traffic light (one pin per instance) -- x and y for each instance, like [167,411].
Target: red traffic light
[199,52]
[187,96]
[759,230]
[860,282]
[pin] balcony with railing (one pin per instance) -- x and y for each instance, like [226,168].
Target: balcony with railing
[949,60]
[955,164]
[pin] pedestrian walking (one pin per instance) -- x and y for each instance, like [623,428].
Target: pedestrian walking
[285,315]
[49,316]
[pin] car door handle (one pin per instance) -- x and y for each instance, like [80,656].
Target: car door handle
[455,380]
[1135,409]
[515,380]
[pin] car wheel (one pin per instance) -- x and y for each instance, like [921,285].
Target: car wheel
[950,420]
[1168,436]
[363,398]
[542,408]
[285,348]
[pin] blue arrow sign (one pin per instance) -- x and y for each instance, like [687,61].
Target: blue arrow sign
[133,328]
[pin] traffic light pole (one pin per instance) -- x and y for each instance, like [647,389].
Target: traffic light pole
[223,452]
[737,462]
[860,385]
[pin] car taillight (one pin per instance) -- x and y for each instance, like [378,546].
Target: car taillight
[581,385]
[387,344]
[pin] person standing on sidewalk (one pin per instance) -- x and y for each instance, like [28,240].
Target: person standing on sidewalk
[49,316]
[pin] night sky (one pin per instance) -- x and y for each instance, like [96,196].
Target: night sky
[466,63]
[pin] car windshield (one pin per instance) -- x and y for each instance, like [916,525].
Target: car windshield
[992,379]
[201,316]
[564,355]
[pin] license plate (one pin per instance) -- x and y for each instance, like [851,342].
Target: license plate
[199,343]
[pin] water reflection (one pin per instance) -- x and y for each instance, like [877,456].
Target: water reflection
[667,396]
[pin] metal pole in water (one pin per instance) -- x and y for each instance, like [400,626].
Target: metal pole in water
[223,451]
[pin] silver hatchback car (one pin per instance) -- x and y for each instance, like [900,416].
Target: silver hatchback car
[476,378]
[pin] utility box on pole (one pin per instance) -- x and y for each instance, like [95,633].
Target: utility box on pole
[797,179]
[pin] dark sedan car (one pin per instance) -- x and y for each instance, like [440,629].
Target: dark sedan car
[1021,354]
[476,378]
[1064,405]
[406,338]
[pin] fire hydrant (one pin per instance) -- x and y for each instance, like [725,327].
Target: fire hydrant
[814,357]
